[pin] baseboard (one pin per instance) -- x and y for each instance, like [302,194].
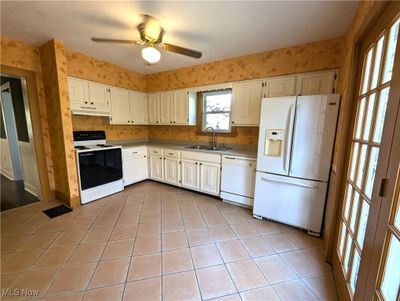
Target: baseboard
[7,174]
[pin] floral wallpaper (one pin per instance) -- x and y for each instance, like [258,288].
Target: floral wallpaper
[20,55]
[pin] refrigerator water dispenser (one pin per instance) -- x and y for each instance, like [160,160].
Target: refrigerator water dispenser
[273,142]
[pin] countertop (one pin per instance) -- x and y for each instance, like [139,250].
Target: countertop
[235,150]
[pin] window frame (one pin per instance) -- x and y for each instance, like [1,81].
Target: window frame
[204,113]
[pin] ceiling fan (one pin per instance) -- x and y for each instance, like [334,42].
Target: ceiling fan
[151,35]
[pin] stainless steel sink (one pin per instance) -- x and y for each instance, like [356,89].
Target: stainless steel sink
[206,147]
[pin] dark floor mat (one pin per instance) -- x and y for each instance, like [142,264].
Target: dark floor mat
[57,211]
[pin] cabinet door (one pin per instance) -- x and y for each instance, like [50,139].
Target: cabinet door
[315,83]
[172,173]
[247,102]
[119,106]
[190,174]
[154,108]
[99,97]
[166,111]
[135,169]
[138,107]
[209,178]
[156,168]
[78,93]
[181,107]
[280,86]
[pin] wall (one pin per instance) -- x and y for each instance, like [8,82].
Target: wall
[90,68]
[23,56]
[303,58]
[60,125]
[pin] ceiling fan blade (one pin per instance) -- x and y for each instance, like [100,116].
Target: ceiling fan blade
[181,50]
[116,41]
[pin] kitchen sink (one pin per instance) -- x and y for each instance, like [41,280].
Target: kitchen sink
[206,147]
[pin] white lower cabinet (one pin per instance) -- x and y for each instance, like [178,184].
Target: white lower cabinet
[156,167]
[134,164]
[190,174]
[210,177]
[172,171]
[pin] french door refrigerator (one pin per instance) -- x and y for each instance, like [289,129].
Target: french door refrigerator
[294,159]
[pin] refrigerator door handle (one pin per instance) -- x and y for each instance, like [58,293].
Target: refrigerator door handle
[286,149]
[294,133]
[290,183]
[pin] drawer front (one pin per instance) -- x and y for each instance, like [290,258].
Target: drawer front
[172,153]
[155,151]
[199,156]
[134,151]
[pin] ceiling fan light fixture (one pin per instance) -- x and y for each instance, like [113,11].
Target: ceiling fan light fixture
[151,54]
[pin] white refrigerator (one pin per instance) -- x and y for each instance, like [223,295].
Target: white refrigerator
[294,157]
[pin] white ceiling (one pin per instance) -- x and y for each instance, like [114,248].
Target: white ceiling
[219,29]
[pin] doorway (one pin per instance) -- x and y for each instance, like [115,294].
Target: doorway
[18,165]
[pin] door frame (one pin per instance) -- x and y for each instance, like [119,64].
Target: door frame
[383,9]
[36,122]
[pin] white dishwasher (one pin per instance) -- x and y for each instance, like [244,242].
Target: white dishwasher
[238,180]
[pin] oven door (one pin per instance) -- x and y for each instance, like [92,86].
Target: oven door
[99,167]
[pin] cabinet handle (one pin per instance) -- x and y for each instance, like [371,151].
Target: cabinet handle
[134,153]
[86,102]
[164,158]
[145,156]
[128,121]
[233,122]
[170,122]
[201,163]
[174,121]
[197,163]
[92,103]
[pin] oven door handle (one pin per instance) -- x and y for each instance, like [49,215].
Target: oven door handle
[86,154]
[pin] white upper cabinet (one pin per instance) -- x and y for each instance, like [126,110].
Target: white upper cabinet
[184,107]
[246,103]
[88,98]
[280,86]
[316,83]
[166,107]
[138,107]
[120,113]
[154,108]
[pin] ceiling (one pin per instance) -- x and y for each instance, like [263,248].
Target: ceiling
[219,29]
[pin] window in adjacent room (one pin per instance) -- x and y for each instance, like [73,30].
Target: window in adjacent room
[217,107]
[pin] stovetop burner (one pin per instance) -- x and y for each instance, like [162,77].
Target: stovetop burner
[81,147]
[104,145]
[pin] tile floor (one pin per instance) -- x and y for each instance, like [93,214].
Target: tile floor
[153,242]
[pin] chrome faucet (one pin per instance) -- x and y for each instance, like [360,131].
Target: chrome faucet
[213,141]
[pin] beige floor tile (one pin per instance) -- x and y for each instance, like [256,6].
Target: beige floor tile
[192,224]
[118,249]
[110,272]
[149,229]
[180,286]
[323,285]
[10,244]
[39,241]
[275,269]
[69,238]
[105,220]
[148,289]
[176,261]
[174,240]
[145,245]
[264,227]
[145,266]
[81,223]
[246,275]
[215,282]
[199,237]
[109,293]
[54,257]
[294,290]
[214,219]
[222,233]
[8,279]
[150,216]
[234,297]
[20,261]
[173,225]
[243,230]
[39,280]
[86,253]
[124,232]
[72,279]
[97,234]
[53,226]
[128,219]
[257,247]
[67,297]
[232,250]
[205,256]
[279,242]
[305,262]
[261,294]
[302,240]
[233,217]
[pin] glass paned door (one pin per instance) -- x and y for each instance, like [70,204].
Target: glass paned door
[372,100]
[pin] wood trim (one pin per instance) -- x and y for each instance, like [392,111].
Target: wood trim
[199,120]
[33,101]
